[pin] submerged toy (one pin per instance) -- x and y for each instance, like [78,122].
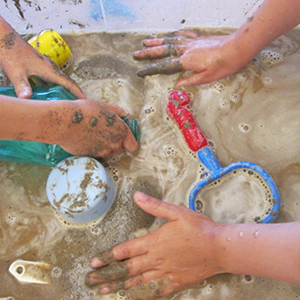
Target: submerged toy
[178,111]
[31,271]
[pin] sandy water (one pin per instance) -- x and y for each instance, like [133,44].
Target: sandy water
[250,116]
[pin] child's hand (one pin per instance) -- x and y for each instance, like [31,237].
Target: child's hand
[176,255]
[92,128]
[19,61]
[209,57]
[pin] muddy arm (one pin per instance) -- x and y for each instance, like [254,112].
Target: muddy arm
[81,127]
[271,20]
[214,57]
[191,247]
[19,61]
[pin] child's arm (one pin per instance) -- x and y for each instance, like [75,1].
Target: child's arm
[19,61]
[81,127]
[190,247]
[214,57]
[264,250]
[271,20]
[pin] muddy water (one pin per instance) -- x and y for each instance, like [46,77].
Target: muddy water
[250,116]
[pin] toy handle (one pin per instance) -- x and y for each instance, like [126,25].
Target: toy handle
[177,110]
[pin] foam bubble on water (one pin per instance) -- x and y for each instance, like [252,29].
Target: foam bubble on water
[202,171]
[244,128]
[69,238]
[4,81]
[255,61]
[114,172]
[211,144]
[235,98]
[198,205]
[268,80]
[193,154]
[209,288]
[148,110]
[10,219]
[115,158]
[224,102]
[169,150]
[243,74]
[120,82]
[271,57]
[95,230]
[218,87]
[56,272]
[247,279]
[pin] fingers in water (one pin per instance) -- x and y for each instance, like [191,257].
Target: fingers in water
[74,88]
[112,272]
[153,42]
[68,83]
[178,37]
[158,207]
[130,144]
[52,73]
[22,87]
[111,287]
[103,259]
[160,52]
[198,78]
[178,40]
[187,33]
[169,66]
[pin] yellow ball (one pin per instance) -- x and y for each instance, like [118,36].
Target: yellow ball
[51,44]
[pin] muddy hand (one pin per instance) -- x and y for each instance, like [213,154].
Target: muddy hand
[160,256]
[209,57]
[20,61]
[93,128]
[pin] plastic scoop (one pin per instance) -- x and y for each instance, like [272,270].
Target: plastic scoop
[178,111]
[31,271]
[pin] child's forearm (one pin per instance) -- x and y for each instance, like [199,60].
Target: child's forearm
[264,250]
[272,19]
[30,120]
[4,27]
[8,37]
